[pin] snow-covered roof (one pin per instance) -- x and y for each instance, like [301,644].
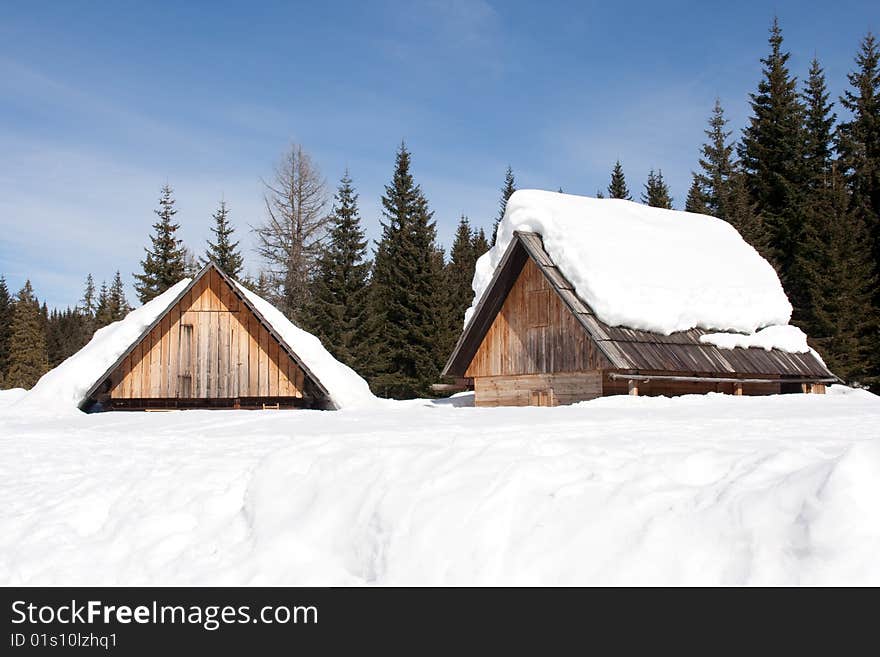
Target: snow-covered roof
[67,386]
[345,387]
[646,268]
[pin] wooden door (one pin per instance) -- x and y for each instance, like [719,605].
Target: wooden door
[185,362]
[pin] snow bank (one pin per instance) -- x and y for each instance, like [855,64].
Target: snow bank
[646,268]
[64,388]
[346,387]
[786,338]
[11,395]
[694,490]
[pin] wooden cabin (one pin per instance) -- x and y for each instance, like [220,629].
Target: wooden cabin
[532,341]
[210,348]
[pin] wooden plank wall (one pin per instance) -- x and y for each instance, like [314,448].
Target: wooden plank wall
[537,389]
[230,353]
[534,333]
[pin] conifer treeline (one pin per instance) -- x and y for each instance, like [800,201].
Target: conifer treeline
[34,340]
[800,186]
[804,189]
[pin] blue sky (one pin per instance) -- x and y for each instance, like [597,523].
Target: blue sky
[102,103]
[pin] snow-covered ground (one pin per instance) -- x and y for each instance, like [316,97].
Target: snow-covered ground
[695,490]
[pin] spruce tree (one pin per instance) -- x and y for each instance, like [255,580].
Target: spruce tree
[480,244]
[656,192]
[696,198]
[743,215]
[164,264]
[771,154]
[404,288]
[459,275]
[858,143]
[103,309]
[6,305]
[716,164]
[117,302]
[223,251]
[507,190]
[836,264]
[820,202]
[67,332]
[338,307]
[617,187]
[88,302]
[28,358]
[818,129]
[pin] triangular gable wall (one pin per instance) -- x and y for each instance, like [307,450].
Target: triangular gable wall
[534,332]
[210,344]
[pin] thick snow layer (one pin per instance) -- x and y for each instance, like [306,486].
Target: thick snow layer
[643,267]
[11,395]
[346,387]
[700,490]
[786,338]
[63,388]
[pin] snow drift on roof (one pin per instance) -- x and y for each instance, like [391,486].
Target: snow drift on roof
[786,338]
[347,389]
[646,268]
[66,386]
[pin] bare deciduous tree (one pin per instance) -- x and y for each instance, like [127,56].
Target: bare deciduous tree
[296,222]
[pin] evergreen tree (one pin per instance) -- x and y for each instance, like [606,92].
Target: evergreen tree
[771,155]
[858,143]
[599,194]
[716,165]
[338,307]
[117,302]
[818,130]
[223,251]
[835,262]
[28,358]
[821,200]
[696,198]
[459,274]
[481,244]
[742,213]
[164,264]
[88,302]
[507,190]
[617,187]
[6,305]
[404,287]
[103,309]
[66,334]
[656,192]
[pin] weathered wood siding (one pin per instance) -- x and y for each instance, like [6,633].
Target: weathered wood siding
[537,389]
[534,333]
[208,346]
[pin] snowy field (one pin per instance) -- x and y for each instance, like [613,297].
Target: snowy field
[693,490]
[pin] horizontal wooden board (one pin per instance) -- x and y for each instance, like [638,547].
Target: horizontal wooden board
[537,389]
